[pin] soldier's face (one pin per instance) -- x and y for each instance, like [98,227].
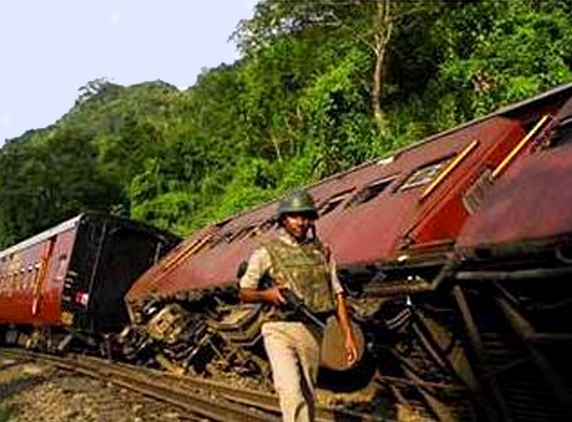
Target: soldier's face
[297,225]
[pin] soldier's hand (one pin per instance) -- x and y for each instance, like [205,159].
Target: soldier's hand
[351,349]
[274,296]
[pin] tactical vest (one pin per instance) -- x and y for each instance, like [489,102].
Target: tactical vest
[304,269]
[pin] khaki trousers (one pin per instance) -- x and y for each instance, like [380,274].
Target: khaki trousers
[294,354]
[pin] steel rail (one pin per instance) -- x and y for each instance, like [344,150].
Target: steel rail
[265,400]
[197,401]
[236,404]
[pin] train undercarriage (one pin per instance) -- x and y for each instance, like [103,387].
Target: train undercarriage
[485,337]
[479,339]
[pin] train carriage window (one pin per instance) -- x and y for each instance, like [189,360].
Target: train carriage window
[268,224]
[248,231]
[242,233]
[13,280]
[425,174]
[230,236]
[332,203]
[23,279]
[27,282]
[370,191]
[61,268]
[563,133]
[221,236]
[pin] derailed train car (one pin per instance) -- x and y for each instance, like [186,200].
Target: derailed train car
[454,252]
[68,283]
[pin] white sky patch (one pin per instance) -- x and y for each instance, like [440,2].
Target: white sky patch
[249,4]
[114,17]
[96,52]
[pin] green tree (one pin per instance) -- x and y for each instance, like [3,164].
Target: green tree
[322,86]
[49,180]
[512,50]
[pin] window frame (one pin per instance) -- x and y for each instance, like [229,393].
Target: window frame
[424,179]
[371,191]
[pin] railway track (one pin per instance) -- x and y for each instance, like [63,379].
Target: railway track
[205,399]
[199,402]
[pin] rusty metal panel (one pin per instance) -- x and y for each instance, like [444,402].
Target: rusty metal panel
[442,215]
[530,204]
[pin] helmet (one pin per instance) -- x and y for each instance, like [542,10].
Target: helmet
[298,201]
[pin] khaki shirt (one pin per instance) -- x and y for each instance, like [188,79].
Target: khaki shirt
[260,263]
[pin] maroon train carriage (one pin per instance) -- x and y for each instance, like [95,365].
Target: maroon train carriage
[530,209]
[434,244]
[377,212]
[400,209]
[511,289]
[74,276]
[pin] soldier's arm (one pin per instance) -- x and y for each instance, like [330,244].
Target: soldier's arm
[258,264]
[271,295]
[342,314]
[344,321]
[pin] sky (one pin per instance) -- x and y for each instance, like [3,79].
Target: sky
[51,48]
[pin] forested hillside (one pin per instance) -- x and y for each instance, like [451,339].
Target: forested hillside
[322,86]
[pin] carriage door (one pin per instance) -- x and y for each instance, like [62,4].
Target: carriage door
[41,274]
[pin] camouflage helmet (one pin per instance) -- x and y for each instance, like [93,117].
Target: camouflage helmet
[298,201]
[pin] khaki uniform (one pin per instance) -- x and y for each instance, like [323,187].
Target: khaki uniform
[293,349]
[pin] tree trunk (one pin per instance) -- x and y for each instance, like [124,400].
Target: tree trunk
[383,26]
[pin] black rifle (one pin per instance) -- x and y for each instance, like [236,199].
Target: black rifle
[294,305]
[298,308]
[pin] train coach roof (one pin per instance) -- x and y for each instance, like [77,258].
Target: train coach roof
[73,222]
[40,237]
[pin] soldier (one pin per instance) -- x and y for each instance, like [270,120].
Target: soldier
[296,260]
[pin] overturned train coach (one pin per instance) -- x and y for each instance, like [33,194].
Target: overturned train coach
[454,251]
[65,286]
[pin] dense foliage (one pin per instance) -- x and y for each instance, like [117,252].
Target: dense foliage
[321,87]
